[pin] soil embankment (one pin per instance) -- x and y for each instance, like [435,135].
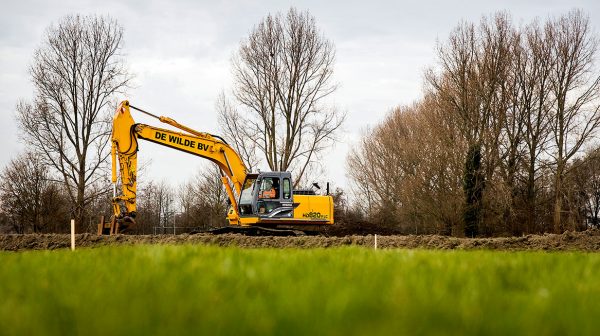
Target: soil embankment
[580,241]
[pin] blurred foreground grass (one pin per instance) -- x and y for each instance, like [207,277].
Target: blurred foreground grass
[211,290]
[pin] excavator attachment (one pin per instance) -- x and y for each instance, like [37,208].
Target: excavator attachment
[115,225]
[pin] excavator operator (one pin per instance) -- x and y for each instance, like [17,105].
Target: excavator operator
[270,189]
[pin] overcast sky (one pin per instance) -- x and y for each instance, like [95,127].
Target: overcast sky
[180,51]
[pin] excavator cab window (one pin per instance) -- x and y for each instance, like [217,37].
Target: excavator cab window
[269,188]
[287,188]
[268,195]
[246,196]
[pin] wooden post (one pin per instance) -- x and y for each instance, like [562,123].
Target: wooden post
[376,241]
[101,226]
[72,235]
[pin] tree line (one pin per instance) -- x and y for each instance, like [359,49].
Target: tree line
[34,202]
[503,140]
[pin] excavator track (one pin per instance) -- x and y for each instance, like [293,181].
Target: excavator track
[255,231]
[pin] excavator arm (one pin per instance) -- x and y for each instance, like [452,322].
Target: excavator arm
[125,137]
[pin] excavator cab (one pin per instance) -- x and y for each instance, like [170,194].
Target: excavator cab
[267,195]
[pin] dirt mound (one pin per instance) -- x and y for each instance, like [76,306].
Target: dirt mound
[581,241]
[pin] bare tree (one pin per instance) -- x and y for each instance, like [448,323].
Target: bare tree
[30,200]
[75,72]
[283,75]
[407,171]
[203,200]
[532,103]
[211,197]
[165,207]
[471,84]
[582,187]
[156,207]
[188,216]
[576,88]
[5,225]
[236,132]
[148,216]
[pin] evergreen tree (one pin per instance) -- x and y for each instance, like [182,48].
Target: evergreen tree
[473,185]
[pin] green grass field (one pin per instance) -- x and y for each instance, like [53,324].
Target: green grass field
[210,290]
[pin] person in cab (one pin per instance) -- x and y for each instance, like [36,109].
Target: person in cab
[269,189]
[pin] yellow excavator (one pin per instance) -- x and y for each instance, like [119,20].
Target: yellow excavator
[264,200]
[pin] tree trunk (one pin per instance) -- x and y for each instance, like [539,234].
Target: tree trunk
[78,215]
[530,201]
[557,219]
